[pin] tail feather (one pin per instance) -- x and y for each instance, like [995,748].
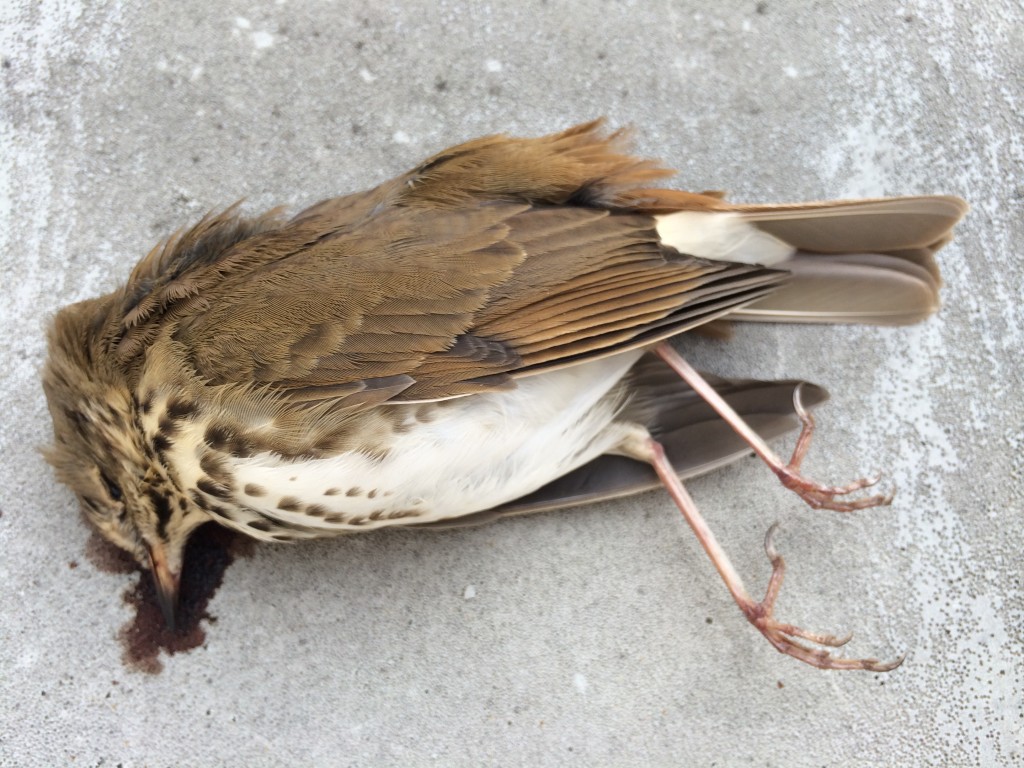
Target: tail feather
[844,226]
[868,261]
[871,288]
[852,261]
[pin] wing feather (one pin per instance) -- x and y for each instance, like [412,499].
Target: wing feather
[497,259]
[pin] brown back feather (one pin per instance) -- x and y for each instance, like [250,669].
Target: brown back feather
[495,258]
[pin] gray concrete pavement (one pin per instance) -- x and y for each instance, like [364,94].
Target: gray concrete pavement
[594,637]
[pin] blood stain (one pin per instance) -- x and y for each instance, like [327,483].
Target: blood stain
[106,557]
[210,550]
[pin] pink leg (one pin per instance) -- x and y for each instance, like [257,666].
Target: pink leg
[785,637]
[816,495]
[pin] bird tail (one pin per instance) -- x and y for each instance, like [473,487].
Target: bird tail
[856,261]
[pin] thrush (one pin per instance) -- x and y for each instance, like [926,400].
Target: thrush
[484,335]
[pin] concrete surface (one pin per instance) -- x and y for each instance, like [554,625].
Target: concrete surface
[594,637]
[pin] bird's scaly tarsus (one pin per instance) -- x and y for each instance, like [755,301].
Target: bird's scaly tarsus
[815,494]
[785,637]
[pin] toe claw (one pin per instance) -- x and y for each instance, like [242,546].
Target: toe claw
[798,402]
[786,641]
[793,640]
[769,542]
[827,497]
[887,666]
[841,641]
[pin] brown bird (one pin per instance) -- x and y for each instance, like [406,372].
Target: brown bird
[483,335]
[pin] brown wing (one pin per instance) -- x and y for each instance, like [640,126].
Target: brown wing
[592,283]
[358,307]
[440,303]
[495,259]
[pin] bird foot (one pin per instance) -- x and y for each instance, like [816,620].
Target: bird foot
[786,638]
[815,494]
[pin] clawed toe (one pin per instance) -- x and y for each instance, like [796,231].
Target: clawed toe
[815,494]
[826,496]
[786,637]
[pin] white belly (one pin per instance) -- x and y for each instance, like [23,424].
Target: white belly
[478,452]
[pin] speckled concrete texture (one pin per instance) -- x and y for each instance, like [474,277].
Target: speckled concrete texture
[594,637]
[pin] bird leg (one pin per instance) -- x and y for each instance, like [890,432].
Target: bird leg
[815,494]
[786,638]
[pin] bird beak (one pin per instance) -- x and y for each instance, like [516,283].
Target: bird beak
[166,582]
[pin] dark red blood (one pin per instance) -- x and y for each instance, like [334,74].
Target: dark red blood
[211,549]
[106,557]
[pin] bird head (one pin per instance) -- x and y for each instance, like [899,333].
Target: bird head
[101,452]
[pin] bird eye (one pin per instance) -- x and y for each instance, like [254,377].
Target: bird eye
[112,488]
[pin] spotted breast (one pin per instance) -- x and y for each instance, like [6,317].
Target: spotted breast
[442,460]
